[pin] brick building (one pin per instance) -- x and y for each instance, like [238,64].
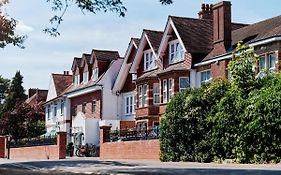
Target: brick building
[92,103]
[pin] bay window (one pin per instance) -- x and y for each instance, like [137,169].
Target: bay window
[140,96]
[149,60]
[184,83]
[176,52]
[170,89]
[145,93]
[156,93]
[164,88]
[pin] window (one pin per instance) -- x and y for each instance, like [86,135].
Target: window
[84,105]
[156,93]
[75,110]
[184,83]
[205,76]
[149,60]
[48,112]
[62,107]
[85,77]
[145,92]
[95,74]
[94,106]
[129,104]
[140,96]
[267,62]
[262,63]
[55,109]
[176,52]
[77,79]
[164,88]
[170,88]
[272,62]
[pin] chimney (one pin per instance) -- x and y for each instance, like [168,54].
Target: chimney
[206,11]
[66,72]
[222,27]
[31,92]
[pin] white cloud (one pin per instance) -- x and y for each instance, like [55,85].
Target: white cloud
[22,27]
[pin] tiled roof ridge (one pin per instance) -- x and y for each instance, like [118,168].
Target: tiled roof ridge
[150,30]
[103,50]
[61,74]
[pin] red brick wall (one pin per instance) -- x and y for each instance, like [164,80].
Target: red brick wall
[127,124]
[2,146]
[219,69]
[88,99]
[40,152]
[136,150]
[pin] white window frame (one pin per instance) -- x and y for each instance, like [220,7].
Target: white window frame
[170,88]
[145,95]
[176,54]
[62,107]
[267,63]
[180,88]
[164,91]
[140,96]
[149,60]
[55,110]
[207,80]
[77,79]
[156,95]
[95,74]
[85,77]
[129,104]
[48,112]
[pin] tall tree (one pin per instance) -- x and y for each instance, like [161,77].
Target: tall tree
[4,86]
[16,93]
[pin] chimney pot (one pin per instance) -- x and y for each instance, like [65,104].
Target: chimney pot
[206,12]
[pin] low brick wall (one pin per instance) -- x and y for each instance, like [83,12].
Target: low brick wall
[54,152]
[140,149]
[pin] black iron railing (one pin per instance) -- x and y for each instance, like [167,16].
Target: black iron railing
[28,142]
[134,134]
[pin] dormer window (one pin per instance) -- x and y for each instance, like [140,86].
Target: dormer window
[95,74]
[149,60]
[176,52]
[85,77]
[77,79]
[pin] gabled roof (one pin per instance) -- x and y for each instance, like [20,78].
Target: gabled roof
[153,39]
[76,63]
[86,58]
[37,98]
[61,82]
[105,55]
[124,70]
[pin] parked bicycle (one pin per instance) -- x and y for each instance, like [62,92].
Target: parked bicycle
[87,151]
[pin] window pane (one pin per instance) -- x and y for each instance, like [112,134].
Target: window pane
[262,63]
[272,60]
[184,83]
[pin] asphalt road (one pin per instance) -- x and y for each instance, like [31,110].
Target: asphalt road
[90,166]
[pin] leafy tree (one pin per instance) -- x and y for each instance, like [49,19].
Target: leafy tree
[241,68]
[4,86]
[7,28]
[16,93]
[8,24]
[24,121]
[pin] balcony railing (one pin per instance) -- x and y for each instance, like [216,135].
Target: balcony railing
[28,142]
[134,134]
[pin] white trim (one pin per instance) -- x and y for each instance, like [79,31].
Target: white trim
[175,59]
[164,89]
[154,94]
[219,58]
[151,58]
[83,91]
[205,81]
[265,41]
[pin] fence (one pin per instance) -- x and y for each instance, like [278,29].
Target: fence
[133,134]
[35,148]
[29,142]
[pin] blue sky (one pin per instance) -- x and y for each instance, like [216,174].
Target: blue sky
[80,33]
